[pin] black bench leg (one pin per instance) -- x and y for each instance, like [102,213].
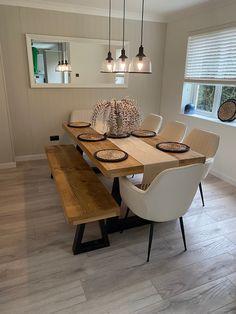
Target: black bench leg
[79,247]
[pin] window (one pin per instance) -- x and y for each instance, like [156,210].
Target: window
[210,72]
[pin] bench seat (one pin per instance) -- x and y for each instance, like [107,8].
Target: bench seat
[84,198]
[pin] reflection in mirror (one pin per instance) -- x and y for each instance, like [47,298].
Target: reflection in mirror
[47,56]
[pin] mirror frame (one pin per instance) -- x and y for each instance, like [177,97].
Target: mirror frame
[47,38]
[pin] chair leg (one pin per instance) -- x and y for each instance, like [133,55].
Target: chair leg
[150,240]
[183,233]
[200,188]
[127,213]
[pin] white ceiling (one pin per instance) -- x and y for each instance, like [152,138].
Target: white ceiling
[155,10]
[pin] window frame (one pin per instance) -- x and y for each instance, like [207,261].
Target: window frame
[192,93]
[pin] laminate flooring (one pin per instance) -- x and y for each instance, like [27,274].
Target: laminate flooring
[39,274]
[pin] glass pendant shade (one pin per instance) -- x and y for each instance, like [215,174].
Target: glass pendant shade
[121,65]
[66,67]
[140,63]
[108,64]
[63,66]
[58,67]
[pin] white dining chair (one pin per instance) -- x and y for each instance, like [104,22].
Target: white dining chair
[173,131]
[168,197]
[152,122]
[205,143]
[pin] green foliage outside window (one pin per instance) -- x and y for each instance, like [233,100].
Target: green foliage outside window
[205,98]
[228,92]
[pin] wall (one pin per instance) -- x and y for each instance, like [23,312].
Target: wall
[174,66]
[7,158]
[38,113]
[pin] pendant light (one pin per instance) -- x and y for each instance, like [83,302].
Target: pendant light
[59,65]
[122,63]
[141,63]
[108,63]
[63,65]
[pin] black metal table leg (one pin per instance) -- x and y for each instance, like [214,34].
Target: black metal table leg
[116,191]
[79,150]
[81,247]
[116,224]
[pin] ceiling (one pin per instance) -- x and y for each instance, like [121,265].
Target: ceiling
[155,10]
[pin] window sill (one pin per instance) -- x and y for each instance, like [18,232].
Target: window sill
[215,120]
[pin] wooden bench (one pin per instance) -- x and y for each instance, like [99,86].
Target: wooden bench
[84,198]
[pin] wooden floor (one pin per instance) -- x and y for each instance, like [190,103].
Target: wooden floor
[39,274]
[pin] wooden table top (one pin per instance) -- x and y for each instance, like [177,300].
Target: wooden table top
[142,152]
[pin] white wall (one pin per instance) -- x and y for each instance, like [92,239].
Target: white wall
[7,158]
[175,53]
[38,113]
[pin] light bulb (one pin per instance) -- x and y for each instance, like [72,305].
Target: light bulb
[109,66]
[122,65]
[140,66]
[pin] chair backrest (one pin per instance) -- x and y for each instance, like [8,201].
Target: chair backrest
[80,115]
[168,197]
[152,122]
[173,131]
[203,142]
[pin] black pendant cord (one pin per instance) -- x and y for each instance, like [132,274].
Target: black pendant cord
[124,26]
[142,23]
[109,33]
[62,54]
[58,47]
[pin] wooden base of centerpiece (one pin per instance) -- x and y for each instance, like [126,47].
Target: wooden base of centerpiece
[120,135]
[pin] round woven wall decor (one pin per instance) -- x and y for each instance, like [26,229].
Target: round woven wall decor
[227,111]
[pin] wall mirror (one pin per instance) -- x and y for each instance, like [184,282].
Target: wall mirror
[85,56]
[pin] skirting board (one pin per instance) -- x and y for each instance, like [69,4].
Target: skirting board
[31,157]
[227,179]
[7,165]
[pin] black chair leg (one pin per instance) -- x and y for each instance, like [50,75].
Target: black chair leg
[124,219]
[150,240]
[127,213]
[200,188]
[183,233]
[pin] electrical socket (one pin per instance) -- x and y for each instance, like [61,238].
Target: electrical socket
[54,138]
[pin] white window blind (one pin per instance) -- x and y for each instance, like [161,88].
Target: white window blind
[211,57]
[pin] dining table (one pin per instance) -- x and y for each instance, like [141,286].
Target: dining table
[142,154]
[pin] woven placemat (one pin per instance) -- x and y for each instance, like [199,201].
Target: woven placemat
[227,111]
[79,124]
[90,137]
[172,147]
[111,155]
[143,133]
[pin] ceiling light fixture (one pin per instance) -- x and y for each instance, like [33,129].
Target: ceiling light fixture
[63,65]
[122,63]
[141,63]
[108,63]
